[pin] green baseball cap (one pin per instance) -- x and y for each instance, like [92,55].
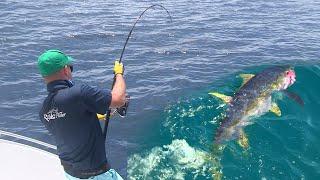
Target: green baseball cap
[52,61]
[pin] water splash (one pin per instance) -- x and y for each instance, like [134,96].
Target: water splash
[177,160]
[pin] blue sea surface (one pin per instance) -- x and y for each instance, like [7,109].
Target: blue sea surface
[170,68]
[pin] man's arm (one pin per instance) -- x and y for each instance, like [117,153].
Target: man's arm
[119,89]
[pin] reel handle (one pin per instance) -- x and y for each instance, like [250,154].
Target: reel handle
[122,111]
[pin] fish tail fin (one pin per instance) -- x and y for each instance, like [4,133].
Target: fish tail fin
[215,158]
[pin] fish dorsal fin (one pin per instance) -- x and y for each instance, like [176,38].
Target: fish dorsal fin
[246,78]
[225,98]
[275,109]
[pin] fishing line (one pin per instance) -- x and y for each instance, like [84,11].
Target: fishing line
[134,25]
[122,111]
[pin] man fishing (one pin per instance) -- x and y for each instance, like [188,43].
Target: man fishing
[69,112]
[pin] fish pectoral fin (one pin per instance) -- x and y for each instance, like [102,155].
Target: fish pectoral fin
[275,109]
[245,78]
[243,140]
[225,98]
[294,96]
[101,116]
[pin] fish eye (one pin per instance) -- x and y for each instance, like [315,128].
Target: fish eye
[287,72]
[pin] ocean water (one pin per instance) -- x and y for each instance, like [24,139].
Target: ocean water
[170,68]
[285,147]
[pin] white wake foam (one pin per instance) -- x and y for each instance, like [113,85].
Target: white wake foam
[173,161]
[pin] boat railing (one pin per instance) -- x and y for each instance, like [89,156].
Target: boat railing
[27,141]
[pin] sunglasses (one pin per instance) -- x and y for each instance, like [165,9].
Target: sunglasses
[70,66]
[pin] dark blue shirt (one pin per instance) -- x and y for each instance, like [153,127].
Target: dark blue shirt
[69,113]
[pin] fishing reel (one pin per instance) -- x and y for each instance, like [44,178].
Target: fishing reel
[122,111]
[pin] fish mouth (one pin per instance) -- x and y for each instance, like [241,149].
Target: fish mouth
[289,79]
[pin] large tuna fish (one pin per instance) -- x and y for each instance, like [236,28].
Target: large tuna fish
[253,99]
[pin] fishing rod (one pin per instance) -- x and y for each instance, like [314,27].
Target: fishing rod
[134,25]
[122,111]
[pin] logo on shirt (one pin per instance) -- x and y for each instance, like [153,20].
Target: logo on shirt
[53,114]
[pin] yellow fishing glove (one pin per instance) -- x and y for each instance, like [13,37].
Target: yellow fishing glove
[118,68]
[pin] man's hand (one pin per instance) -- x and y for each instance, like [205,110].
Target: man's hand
[118,68]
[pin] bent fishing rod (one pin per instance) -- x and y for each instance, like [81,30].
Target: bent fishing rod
[122,111]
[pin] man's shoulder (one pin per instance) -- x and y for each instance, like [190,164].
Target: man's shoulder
[74,90]
[87,89]
[73,93]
